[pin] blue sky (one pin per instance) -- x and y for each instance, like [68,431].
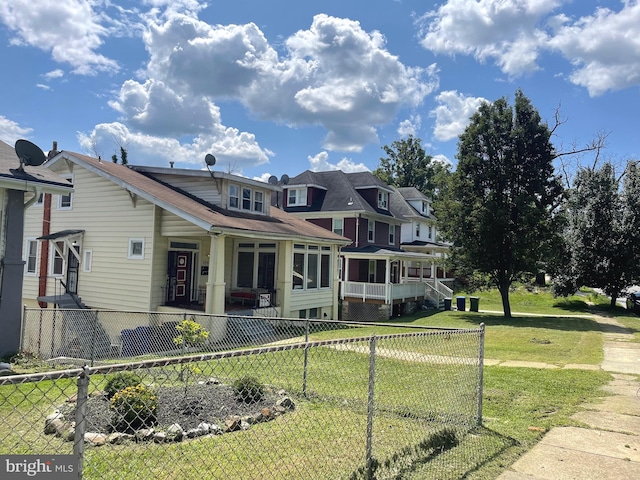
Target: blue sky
[284,86]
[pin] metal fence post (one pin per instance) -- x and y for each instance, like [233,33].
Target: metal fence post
[81,410]
[306,357]
[370,406]
[93,336]
[480,375]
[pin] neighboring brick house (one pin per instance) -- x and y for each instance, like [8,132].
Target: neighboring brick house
[374,267]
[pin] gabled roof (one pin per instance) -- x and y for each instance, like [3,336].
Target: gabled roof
[339,191]
[199,212]
[400,206]
[32,179]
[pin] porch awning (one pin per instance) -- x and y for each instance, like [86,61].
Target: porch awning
[62,234]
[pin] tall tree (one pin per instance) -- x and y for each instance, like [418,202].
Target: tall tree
[408,165]
[498,209]
[602,232]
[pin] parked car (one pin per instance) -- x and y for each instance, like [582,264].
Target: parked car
[633,302]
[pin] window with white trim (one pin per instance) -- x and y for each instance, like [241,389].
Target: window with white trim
[65,202]
[87,258]
[246,198]
[311,267]
[338,226]
[425,208]
[430,232]
[392,234]
[371,230]
[417,229]
[296,197]
[31,256]
[40,200]
[57,260]
[383,199]
[136,249]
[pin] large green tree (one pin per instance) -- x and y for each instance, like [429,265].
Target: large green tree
[499,208]
[601,233]
[408,165]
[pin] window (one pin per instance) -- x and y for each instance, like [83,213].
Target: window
[311,267]
[297,197]
[430,232]
[245,198]
[234,199]
[425,208]
[57,266]
[87,258]
[313,313]
[65,201]
[136,249]
[245,269]
[371,230]
[383,198]
[418,230]
[258,202]
[392,234]
[40,200]
[338,226]
[31,253]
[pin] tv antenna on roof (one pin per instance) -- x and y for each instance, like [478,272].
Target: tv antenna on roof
[29,154]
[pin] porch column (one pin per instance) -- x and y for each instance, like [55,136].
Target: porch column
[336,283]
[420,267]
[284,280]
[215,283]
[433,270]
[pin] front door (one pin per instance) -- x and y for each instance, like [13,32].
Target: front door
[179,272]
[72,272]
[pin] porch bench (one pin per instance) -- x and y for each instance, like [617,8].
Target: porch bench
[242,296]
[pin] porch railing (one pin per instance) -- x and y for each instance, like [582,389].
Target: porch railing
[382,291]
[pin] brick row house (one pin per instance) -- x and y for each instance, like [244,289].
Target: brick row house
[394,261]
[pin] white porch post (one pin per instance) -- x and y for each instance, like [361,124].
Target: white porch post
[336,282]
[285,274]
[215,283]
[433,270]
[387,278]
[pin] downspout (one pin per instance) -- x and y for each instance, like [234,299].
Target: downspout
[44,252]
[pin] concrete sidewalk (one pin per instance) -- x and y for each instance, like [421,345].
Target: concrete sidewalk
[610,446]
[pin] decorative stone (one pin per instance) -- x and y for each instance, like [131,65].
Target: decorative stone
[232,423]
[95,439]
[144,434]
[204,427]
[213,381]
[160,437]
[266,414]
[286,402]
[281,392]
[244,425]
[175,433]
[53,422]
[118,438]
[216,429]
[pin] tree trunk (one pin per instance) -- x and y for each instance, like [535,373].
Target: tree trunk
[504,293]
[614,298]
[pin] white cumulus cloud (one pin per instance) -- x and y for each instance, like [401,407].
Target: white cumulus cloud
[453,114]
[11,131]
[320,163]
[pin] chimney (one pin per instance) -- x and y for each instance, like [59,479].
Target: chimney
[54,151]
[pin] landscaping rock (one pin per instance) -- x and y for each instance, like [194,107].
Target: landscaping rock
[232,423]
[175,433]
[160,437]
[117,438]
[95,439]
[144,435]
[286,403]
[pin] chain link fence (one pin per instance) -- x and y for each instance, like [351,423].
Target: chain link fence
[305,404]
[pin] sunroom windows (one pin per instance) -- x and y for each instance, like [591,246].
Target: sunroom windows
[311,267]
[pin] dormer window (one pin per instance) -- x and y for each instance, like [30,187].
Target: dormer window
[383,199]
[425,208]
[245,198]
[297,197]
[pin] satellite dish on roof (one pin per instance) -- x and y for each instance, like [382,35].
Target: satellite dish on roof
[284,179]
[273,180]
[210,160]
[29,154]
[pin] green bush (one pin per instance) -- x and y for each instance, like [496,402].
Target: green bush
[134,408]
[248,389]
[120,381]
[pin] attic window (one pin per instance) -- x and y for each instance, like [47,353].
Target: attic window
[297,197]
[383,199]
[245,198]
[425,208]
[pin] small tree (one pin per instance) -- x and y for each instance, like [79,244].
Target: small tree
[192,334]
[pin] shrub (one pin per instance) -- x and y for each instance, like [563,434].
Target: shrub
[134,407]
[248,389]
[191,334]
[120,381]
